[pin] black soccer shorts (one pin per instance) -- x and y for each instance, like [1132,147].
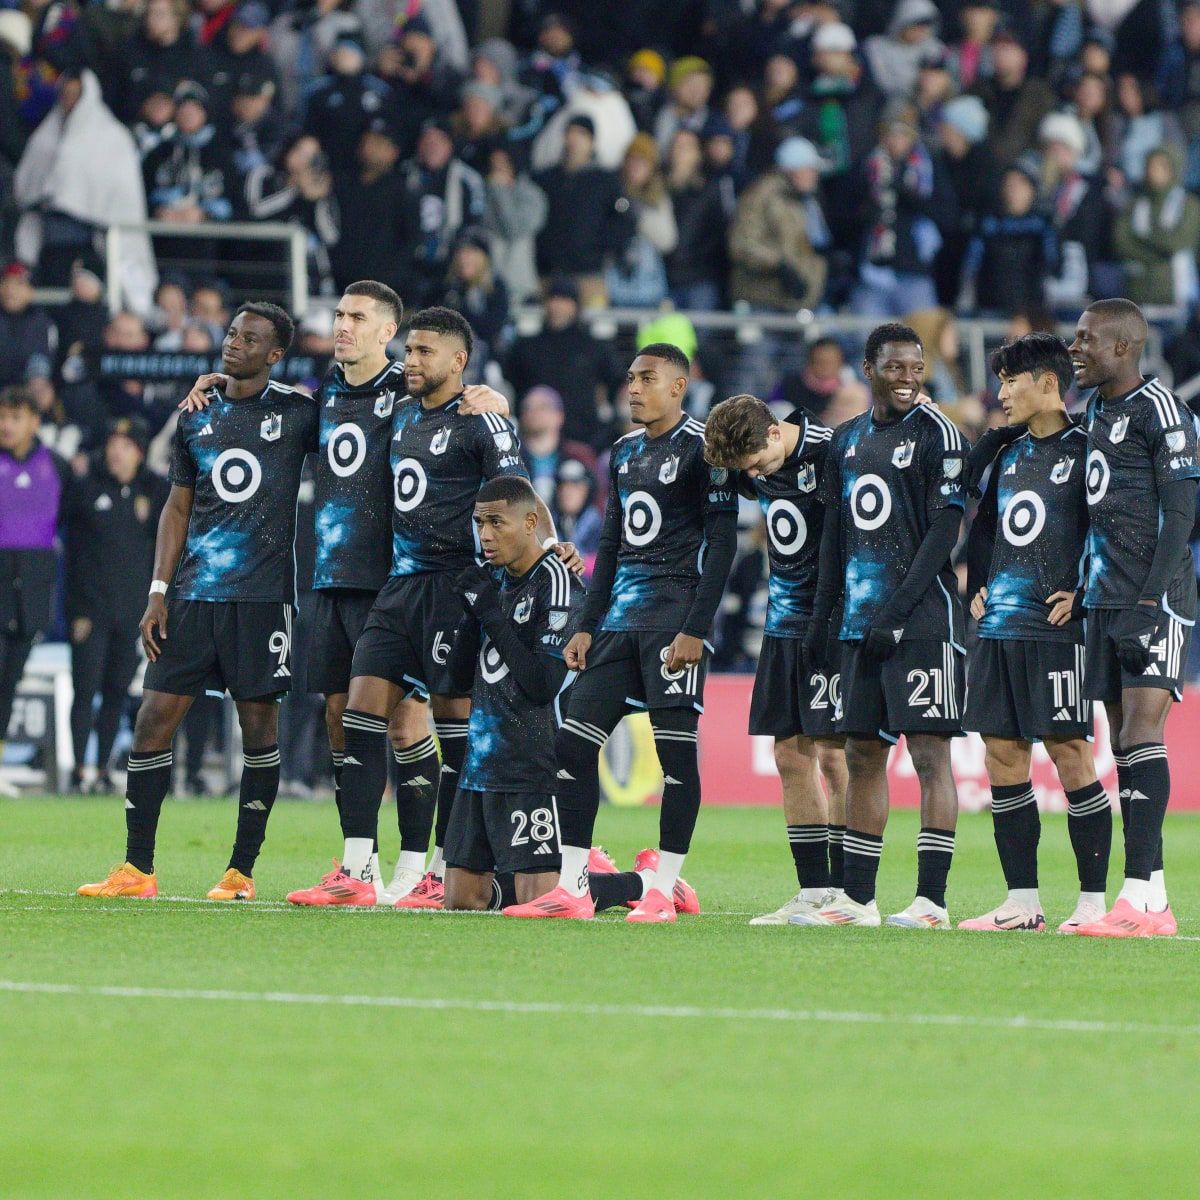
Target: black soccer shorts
[920,689]
[1022,688]
[1105,678]
[789,700]
[240,646]
[338,618]
[503,832]
[409,632]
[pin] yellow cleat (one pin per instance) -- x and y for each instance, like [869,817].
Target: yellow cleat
[123,880]
[233,886]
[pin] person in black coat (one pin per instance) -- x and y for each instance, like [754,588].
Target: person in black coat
[698,266]
[338,107]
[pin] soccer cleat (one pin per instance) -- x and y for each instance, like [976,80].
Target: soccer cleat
[600,862]
[429,893]
[404,883]
[556,903]
[1165,923]
[1122,921]
[1085,913]
[684,895]
[654,909]
[233,886]
[123,880]
[1008,916]
[840,910]
[336,887]
[797,904]
[921,914]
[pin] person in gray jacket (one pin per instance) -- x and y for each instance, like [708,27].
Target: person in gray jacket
[514,213]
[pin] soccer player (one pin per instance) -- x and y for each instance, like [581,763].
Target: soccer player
[228,525]
[778,465]
[667,545]
[440,459]
[1141,593]
[1028,542]
[521,610]
[893,491]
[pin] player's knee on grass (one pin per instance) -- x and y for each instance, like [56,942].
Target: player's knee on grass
[1074,762]
[1006,761]
[468,891]
[531,885]
[159,716]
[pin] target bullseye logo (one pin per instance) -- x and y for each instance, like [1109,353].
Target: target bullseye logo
[787,527]
[409,484]
[1024,518]
[347,449]
[643,519]
[870,501]
[1097,477]
[236,475]
[491,666]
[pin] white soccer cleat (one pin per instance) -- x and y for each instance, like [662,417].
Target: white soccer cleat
[1009,916]
[797,904]
[1085,913]
[921,914]
[402,883]
[839,909]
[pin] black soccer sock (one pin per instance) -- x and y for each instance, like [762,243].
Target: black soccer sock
[577,751]
[1017,828]
[1089,823]
[837,836]
[416,775]
[610,890]
[364,772]
[1149,792]
[1122,786]
[935,852]
[675,742]
[337,756]
[145,790]
[504,891]
[861,852]
[452,736]
[256,798]
[810,853]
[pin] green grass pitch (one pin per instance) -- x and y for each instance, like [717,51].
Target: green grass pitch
[267,1052]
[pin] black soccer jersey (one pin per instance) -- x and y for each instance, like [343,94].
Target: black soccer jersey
[354,483]
[1036,504]
[510,740]
[440,460]
[889,480]
[791,503]
[243,459]
[660,491]
[1136,443]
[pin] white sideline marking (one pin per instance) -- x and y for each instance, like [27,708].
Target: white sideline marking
[554,1008]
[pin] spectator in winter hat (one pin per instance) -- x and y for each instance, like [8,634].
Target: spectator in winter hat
[644,76]
[690,84]
[911,39]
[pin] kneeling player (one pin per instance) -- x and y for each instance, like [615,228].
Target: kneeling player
[779,466]
[1026,672]
[508,654]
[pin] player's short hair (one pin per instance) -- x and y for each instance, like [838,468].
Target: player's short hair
[1129,319]
[893,332]
[1037,353]
[668,353]
[508,489]
[284,326]
[18,397]
[446,322]
[383,296]
[736,430]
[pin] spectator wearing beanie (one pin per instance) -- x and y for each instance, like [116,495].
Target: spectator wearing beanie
[494,61]
[690,83]
[514,214]
[644,76]
[478,125]
[911,39]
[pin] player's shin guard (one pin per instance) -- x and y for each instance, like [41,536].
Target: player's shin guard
[837,838]
[417,772]
[577,750]
[146,789]
[1089,823]
[862,852]
[1149,792]
[452,736]
[364,775]
[935,851]
[1018,829]
[675,741]
[810,853]
[256,798]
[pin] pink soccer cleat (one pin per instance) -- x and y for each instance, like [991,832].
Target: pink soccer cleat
[684,895]
[600,862]
[1122,921]
[1164,922]
[555,903]
[336,887]
[654,909]
[429,893]
[1008,916]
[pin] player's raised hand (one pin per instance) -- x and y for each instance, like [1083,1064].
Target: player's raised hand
[1063,608]
[979,600]
[576,652]
[197,399]
[685,651]
[155,617]
[570,556]
[479,398]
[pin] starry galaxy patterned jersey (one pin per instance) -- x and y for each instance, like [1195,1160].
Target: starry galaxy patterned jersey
[510,740]
[1136,443]
[440,459]
[791,503]
[353,507]
[889,480]
[1035,498]
[243,460]
[660,491]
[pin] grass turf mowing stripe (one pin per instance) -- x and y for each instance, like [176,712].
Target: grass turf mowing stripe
[556,1008]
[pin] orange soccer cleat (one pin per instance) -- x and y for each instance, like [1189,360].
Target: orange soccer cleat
[1122,920]
[600,862]
[654,909]
[336,887]
[684,895]
[429,893]
[233,886]
[123,880]
[556,903]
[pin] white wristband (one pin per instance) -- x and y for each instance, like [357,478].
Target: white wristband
[549,543]
[158,587]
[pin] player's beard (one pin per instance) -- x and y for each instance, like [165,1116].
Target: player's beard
[429,384]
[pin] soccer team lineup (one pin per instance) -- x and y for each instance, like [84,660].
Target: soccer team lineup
[459,651]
